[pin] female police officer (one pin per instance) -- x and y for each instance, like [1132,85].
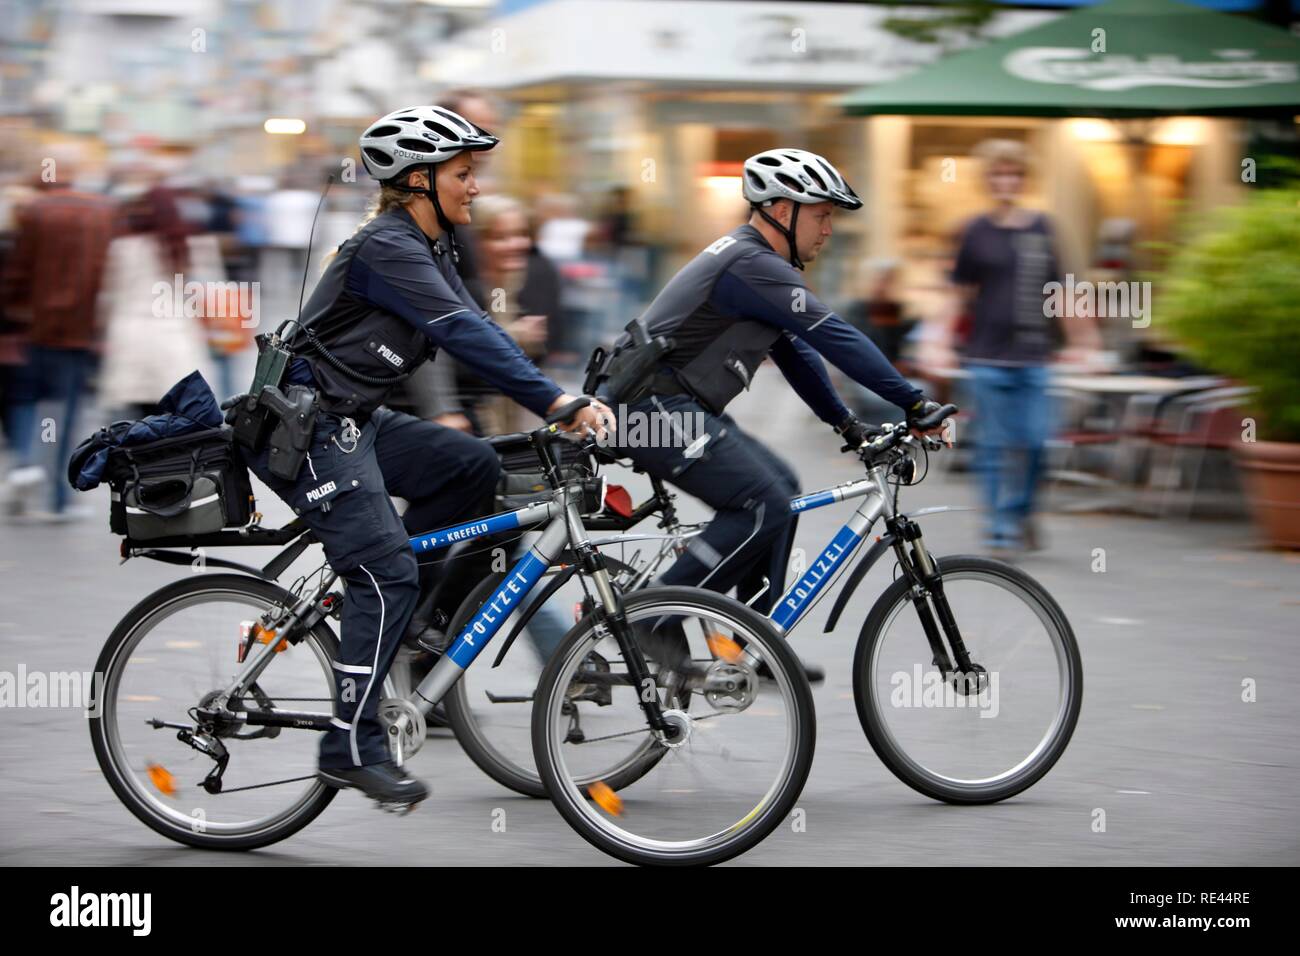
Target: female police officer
[385,302]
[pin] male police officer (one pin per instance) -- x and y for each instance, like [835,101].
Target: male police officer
[738,302]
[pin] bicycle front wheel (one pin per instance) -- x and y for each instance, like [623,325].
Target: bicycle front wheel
[988,734]
[742,736]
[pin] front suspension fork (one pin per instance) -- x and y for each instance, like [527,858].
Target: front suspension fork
[610,615]
[924,576]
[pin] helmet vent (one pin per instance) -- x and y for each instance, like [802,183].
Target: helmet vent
[415,145]
[755,180]
[452,117]
[384,131]
[378,157]
[789,182]
[768,160]
[816,177]
[442,131]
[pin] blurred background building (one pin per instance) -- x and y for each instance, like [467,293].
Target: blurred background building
[624,125]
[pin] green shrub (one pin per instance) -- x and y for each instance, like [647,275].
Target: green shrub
[1231,298]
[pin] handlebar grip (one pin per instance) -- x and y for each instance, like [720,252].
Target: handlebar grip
[935,418]
[566,412]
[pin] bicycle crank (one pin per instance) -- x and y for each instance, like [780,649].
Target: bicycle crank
[405,727]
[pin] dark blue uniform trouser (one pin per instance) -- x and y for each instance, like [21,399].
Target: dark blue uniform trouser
[746,484]
[342,491]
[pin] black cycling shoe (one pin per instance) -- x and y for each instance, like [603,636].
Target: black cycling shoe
[385,782]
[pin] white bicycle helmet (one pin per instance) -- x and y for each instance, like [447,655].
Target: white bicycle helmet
[796,174]
[418,136]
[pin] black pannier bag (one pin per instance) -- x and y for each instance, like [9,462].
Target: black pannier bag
[189,484]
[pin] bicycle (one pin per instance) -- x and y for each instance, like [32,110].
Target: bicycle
[624,795]
[930,699]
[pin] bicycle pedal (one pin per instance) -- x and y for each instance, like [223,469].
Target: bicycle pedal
[398,809]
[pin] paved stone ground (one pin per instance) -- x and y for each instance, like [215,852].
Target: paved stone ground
[1186,772]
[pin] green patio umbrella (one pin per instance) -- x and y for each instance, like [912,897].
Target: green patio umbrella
[1159,58]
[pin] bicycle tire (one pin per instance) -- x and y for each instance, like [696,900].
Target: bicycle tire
[761,821]
[882,741]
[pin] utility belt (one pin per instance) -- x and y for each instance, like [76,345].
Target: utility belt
[667,383]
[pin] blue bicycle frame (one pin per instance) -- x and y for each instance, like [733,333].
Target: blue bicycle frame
[565,524]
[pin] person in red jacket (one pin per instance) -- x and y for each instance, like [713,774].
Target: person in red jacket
[50,285]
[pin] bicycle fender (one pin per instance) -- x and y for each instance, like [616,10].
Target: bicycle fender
[527,614]
[176,557]
[855,578]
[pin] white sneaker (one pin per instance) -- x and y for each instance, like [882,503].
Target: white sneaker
[22,487]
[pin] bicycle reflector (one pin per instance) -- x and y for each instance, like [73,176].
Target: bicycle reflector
[250,631]
[604,797]
[723,647]
[618,501]
[162,778]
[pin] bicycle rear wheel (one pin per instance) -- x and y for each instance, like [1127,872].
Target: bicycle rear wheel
[742,740]
[174,650]
[976,738]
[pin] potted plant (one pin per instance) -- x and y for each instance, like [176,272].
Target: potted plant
[1231,298]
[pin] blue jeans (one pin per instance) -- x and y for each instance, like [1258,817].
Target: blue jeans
[49,373]
[1013,422]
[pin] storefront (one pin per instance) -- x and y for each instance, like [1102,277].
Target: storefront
[668,98]
[1135,112]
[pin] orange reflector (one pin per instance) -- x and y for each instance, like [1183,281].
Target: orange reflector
[265,636]
[162,779]
[724,648]
[605,798]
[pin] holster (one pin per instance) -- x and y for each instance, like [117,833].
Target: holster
[626,373]
[295,411]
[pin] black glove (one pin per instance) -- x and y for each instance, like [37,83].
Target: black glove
[230,407]
[921,409]
[855,432]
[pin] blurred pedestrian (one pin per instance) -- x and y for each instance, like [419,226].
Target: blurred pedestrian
[153,326]
[51,281]
[1005,259]
[521,291]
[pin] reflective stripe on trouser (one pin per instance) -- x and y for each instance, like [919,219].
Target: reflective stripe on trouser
[377,606]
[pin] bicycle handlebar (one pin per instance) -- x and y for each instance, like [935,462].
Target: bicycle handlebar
[900,432]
